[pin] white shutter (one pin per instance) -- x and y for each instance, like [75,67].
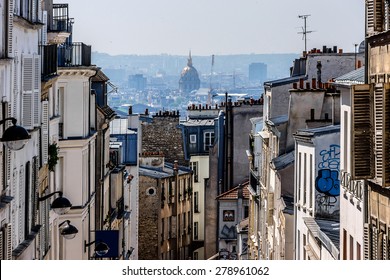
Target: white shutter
[22,205]
[15,94]
[385,247]
[27,92]
[8,242]
[34,10]
[44,29]
[14,204]
[374,247]
[40,11]
[366,242]
[10,27]
[37,90]
[45,131]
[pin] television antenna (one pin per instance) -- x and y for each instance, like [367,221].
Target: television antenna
[304,29]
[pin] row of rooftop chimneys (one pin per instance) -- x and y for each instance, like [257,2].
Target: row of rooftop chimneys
[302,85]
[325,49]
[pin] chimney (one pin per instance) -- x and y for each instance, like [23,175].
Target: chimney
[301,83]
[319,70]
[313,83]
[130,110]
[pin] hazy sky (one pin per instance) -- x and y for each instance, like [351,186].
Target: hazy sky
[215,26]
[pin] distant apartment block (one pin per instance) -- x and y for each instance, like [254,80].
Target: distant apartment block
[137,82]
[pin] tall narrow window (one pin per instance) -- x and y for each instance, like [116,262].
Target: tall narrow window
[196,229]
[351,247]
[358,251]
[208,140]
[311,194]
[196,202]
[299,177]
[344,244]
[194,167]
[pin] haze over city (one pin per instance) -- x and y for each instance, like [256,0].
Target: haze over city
[218,27]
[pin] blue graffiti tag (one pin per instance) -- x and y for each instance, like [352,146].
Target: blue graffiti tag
[327,181]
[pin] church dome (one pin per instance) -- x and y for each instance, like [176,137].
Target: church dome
[189,79]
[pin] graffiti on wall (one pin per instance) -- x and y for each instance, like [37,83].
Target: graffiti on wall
[327,182]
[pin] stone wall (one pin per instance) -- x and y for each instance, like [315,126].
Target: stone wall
[164,136]
[149,213]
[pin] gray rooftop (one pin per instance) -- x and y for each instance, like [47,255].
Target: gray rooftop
[318,131]
[283,161]
[198,122]
[351,78]
[278,120]
[284,81]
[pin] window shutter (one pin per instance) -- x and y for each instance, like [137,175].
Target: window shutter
[34,10]
[40,11]
[379,16]
[374,247]
[34,195]
[22,205]
[15,91]
[8,242]
[27,92]
[14,204]
[385,247]
[37,90]
[1,245]
[45,131]
[386,136]
[10,27]
[366,241]
[362,140]
[378,113]
[44,29]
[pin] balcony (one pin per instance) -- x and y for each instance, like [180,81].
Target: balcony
[61,21]
[48,61]
[74,55]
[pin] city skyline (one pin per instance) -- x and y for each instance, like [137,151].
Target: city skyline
[215,27]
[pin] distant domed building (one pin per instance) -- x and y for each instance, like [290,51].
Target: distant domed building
[189,79]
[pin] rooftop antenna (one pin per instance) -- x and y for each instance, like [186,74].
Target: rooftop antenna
[210,97]
[304,30]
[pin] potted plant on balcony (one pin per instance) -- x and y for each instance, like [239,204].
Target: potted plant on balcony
[53,156]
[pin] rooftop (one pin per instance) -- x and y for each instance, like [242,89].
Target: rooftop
[351,78]
[233,193]
[283,161]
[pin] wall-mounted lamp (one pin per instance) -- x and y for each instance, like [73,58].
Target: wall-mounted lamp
[60,205]
[14,137]
[68,231]
[101,248]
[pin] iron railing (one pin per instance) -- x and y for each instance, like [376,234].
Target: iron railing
[48,60]
[75,54]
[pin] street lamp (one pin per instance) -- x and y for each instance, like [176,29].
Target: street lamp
[14,137]
[60,205]
[101,248]
[68,231]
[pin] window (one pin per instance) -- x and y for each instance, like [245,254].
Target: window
[350,247]
[344,244]
[358,251]
[194,167]
[208,140]
[311,194]
[246,212]
[196,229]
[299,177]
[196,202]
[192,138]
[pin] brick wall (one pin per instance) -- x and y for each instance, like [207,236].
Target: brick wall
[163,135]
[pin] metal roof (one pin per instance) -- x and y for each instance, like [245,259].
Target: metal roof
[278,120]
[318,131]
[233,193]
[351,78]
[285,81]
[198,122]
[283,161]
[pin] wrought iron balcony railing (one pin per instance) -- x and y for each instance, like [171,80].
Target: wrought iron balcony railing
[73,55]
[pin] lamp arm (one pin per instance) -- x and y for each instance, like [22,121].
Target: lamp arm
[86,245]
[49,195]
[14,121]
